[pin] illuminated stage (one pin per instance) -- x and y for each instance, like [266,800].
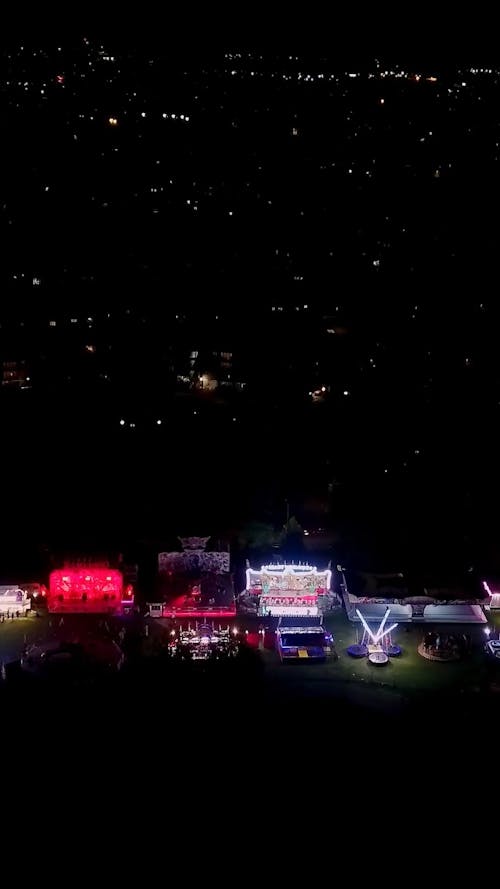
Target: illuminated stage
[281,590]
[89,590]
[195,583]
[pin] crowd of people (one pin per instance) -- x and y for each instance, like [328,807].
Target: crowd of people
[10,615]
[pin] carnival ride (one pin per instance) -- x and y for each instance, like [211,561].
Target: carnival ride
[203,642]
[378,645]
[286,590]
[309,641]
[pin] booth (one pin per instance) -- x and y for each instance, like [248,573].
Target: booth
[288,590]
[13,600]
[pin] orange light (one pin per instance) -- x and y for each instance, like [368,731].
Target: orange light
[113,121]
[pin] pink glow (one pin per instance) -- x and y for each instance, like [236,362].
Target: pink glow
[198,612]
[128,595]
[88,589]
[487,589]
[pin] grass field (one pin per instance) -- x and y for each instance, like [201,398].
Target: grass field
[405,675]
[411,671]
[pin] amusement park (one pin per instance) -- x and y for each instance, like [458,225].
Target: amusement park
[89,618]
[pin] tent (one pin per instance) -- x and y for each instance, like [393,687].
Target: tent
[454,614]
[399,613]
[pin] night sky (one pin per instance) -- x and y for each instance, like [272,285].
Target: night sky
[324,221]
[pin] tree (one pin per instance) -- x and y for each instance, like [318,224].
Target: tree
[256,535]
[292,538]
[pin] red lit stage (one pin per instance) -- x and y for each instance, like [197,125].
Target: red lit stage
[88,590]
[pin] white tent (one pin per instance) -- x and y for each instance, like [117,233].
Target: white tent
[375,612]
[454,614]
[13,599]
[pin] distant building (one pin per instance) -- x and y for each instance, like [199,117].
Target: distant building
[15,374]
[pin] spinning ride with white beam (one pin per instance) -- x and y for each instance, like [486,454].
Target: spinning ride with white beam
[377,652]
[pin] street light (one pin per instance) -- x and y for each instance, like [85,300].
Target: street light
[343,584]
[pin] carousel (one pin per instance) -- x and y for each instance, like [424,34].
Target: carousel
[203,642]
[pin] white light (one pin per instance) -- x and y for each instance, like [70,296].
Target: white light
[346,392]
[158,422]
[235,631]
[487,630]
[376,637]
[122,422]
[323,388]
[143,114]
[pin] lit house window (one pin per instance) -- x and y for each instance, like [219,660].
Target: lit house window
[52,323]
